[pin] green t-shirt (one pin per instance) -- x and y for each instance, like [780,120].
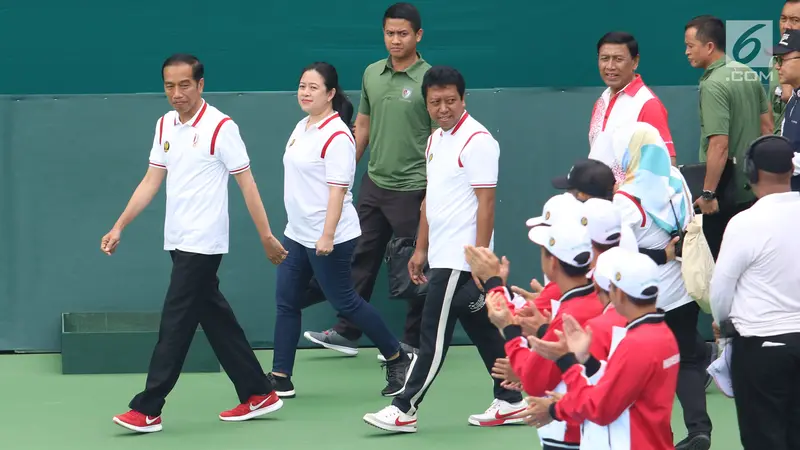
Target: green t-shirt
[778,106]
[399,124]
[731,103]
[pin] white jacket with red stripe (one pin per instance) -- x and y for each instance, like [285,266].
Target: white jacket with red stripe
[633,399]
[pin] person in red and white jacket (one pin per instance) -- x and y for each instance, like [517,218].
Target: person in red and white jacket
[626,99]
[566,254]
[634,396]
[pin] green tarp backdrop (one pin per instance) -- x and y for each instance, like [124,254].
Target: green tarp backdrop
[70,163]
[75,131]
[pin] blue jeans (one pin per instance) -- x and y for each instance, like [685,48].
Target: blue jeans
[333,274]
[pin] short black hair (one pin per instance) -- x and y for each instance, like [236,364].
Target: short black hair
[198,71]
[570,270]
[620,37]
[441,76]
[709,29]
[405,11]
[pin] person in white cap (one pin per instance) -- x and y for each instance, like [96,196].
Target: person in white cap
[604,223]
[634,397]
[560,207]
[566,254]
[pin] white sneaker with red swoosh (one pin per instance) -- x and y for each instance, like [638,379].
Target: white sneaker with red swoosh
[256,406]
[392,419]
[136,421]
[498,414]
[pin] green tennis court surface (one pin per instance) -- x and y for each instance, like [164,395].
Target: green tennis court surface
[42,409]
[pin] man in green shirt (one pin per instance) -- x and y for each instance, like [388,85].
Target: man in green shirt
[734,111]
[780,93]
[394,121]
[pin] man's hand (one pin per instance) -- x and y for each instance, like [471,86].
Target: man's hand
[415,266]
[512,385]
[577,339]
[483,263]
[502,370]
[498,311]
[109,242]
[275,251]
[531,319]
[536,289]
[707,206]
[537,414]
[550,350]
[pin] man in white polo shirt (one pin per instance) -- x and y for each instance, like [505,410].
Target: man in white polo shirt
[195,148]
[458,211]
[755,297]
[626,99]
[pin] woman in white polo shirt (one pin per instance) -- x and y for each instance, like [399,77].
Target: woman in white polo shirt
[656,205]
[322,229]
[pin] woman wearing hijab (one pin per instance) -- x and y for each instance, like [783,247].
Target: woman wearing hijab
[656,205]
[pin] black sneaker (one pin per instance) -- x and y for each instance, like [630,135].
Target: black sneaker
[283,385]
[397,373]
[695,442]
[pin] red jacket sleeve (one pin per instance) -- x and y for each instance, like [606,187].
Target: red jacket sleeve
[654,113]
[625,377]
[536,373]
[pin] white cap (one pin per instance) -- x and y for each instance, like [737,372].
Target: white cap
[605,266]
[635,274]
[566,240]
[604,221]
[562,206]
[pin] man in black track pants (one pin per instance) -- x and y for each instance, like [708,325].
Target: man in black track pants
[462,164]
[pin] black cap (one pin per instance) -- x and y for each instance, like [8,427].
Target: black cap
[790,42]
[773,154]
[589,176]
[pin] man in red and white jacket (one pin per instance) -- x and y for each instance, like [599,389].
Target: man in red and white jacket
[634,396]
[626,99]
[566,254]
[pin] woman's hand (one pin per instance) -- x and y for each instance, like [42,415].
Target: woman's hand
[325,245]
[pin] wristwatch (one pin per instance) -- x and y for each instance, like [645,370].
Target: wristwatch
[708,195]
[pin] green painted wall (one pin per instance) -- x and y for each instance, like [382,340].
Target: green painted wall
[70,164]
[75,130]
[97,46]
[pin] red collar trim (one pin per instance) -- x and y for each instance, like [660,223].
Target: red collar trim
[460,122]
[198,117]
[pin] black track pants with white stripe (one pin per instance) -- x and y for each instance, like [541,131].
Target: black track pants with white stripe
[452,295]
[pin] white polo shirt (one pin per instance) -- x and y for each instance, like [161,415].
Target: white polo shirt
[458,162]
[324,155]
[671,288]
[756,282]
[198,156]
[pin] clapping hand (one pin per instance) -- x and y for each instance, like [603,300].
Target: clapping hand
[531,319]
[578,340]
[536,289]
[498,311]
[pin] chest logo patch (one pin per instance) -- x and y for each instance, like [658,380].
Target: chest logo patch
[430,157]
[291,143]
[166,146]
[195,139]
[406,92]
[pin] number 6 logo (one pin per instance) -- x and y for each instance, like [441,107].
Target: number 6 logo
[744,40]
[751,42]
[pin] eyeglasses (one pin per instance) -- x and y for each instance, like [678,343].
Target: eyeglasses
[780,59]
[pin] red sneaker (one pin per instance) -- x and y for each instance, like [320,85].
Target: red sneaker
[136,421]
[257,405]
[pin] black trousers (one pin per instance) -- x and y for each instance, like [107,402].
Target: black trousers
[691,389]
[194,298]
[714,226]
[765,373]
[452,295]
[382,213]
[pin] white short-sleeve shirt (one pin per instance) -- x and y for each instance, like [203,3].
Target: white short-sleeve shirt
[671,288]
[315,159]
[459,161]
[198,156]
